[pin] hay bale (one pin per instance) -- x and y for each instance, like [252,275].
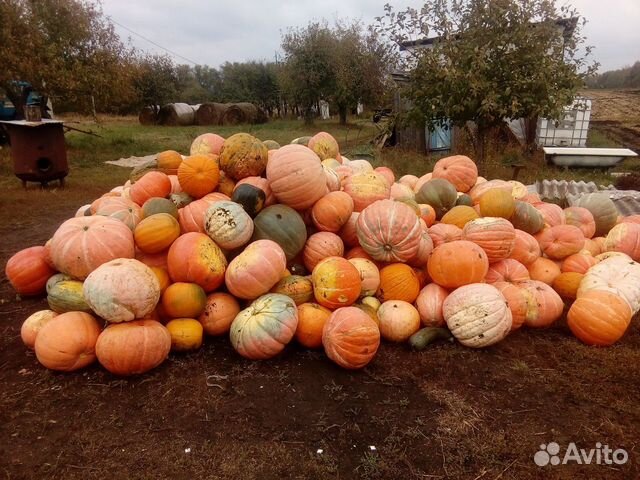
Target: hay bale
[177,114]
[148,115]
[233,115]
[253,113]
[209,113]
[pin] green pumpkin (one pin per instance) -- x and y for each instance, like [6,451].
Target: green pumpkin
[66,296]
[440,194]
[250,197]
[604,211]
[159,205]
[526,217]
[284,226]
[271,144]
[464,199]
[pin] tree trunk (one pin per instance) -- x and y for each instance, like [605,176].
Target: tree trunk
[342,111]
[308,115]
[481,136]
[17,100]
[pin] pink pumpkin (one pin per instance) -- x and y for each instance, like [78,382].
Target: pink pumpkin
[526,249]
[207,144]
[625,238]
[256,269]
[398,320]
[560,241]
[581,218]
[461,171]
[444,233]
[553,214]
[495,235]
[429,304]
[320,246]
[507,270]
[545,305]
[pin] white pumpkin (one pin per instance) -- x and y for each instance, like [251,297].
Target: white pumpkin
[617,274]
[477,315]
[122,290]
[228,224]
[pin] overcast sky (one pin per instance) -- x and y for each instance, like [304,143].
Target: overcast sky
[212,32]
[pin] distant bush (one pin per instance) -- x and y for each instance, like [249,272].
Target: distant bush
[628,77]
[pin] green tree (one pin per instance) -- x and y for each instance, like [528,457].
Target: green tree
[491,60]
[156,80]
[63,48]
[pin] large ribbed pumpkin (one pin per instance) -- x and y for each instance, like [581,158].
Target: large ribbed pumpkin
[477,315]
[440,194]
[365,188]
[82,244]
[525,248]
[460,170]
[262,330]
[429,305]
[560,241]
[258,268]
[336,282]
[156,233]
[389,231]
[458,263]
[294,173]
[545,305]
[495,235]
[28,270]
[527,218]
[616,274]
[220,310]
[132,348]
[243,155]
[284,226]
[581,218]
[459,216]
[152,184]
[579,263]
[122,290]
[332,211]
[228,224]
[311,320]
[194,257]
[398,281]
[68,342]
[444,233]
[398,320]
[320,246]
[350,338]
[122,209]
[602,208]
[507,270]
[599,318]
[625,238]
[199,175]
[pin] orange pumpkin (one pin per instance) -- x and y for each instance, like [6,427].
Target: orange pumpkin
[68,341]
[567,284]
[578,263]
[194,257]
[495,235]
[427,213]
[151,184]
[332,211]
[443,233]
[28,270]
[544,270]
[545,305]
[591,247]
[336,282]
[458,263]
[348,233]
[134,347]
[497,202]
[183,300]
[311,320]
[398,320]
[163,277]
[324,145]
[366,188]
[169,161]
[199,175]
[156,233]
[507,270]
[296,287]
[319,246]
[398,281]
[560,241]
[459,216]
[525,248]
[519,301]
[256,270]
[220,310]
[350,338]
[599,317]
[186,334]
[461,171]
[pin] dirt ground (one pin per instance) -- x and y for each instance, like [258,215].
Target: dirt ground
[617,113]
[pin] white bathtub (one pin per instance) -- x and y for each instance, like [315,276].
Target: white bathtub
[587,157]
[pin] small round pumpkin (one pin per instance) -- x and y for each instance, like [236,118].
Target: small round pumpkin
[228,224]
[122,290]
[156,233]
[581,218]
[443,233]
[32,326]
[458,263]
[398,320]
[440,194]
[251,198]
[320,246]
[567,284]
[324,145]
[579,263]
[604,211]
[429,305]
[332,211]
[507,270]
[151,184]
[625,238]
[122,209]
[477,315]
[169,161]
[220,310]
[256,270]
[427,213]
[194,257]
[336,282]
[460,170]
[369,276]
[350,338]
[349,233]
[207,144]
[65,295]
[398,282]
[599,318]
[560,241]
[544,270]
[545,305]
[183,300]
[28,270]
[459,216]
[366,188]
[132,348]
[262,330]
[186,334]
[527,218]
[296,287]
[525,248]
[191,216]
[497,202]
[199,175]
[68,342]
[311,320]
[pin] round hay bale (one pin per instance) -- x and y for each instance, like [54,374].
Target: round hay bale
[148,115]
[177,114]
[233,115]
[209,113]
[253,113]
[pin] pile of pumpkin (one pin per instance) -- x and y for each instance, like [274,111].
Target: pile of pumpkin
[266,244]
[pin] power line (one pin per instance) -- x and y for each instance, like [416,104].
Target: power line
[154,43]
